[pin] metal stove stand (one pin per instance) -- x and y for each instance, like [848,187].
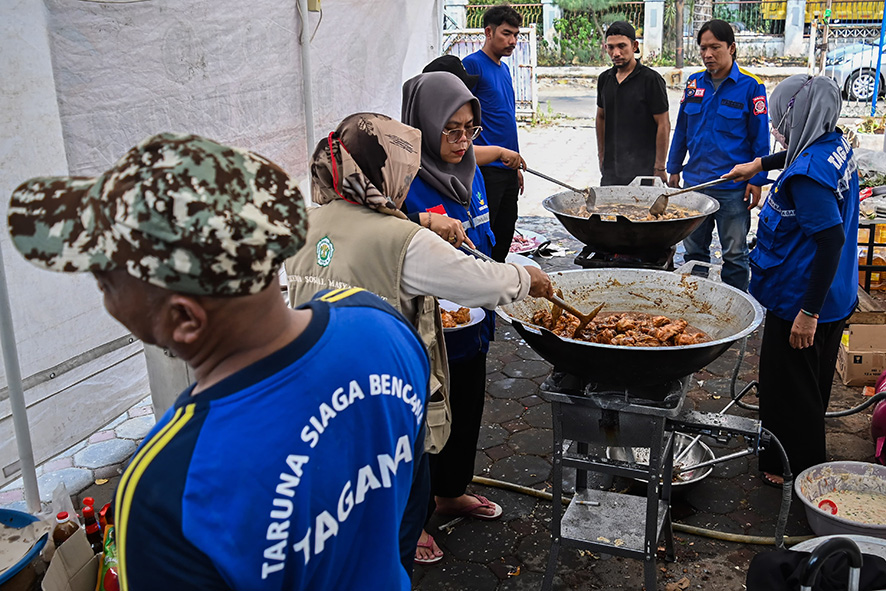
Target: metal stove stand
[587,417]
[592,258]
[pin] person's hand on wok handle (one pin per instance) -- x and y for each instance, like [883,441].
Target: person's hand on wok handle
[447,228]
[746,171]
[540,286]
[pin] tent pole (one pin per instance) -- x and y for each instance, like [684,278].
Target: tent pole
[879,60]
[17,396]
[307,86]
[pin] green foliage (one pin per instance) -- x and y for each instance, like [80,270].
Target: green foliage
[584,5]
[872,125]
[580,39]
[666,58]
[875,180]
[545,116]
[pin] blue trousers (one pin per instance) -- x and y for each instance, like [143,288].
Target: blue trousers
[733,224]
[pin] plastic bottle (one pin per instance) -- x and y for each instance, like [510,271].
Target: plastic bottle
[64,528]
[90,502]
[92,533]
[106,517]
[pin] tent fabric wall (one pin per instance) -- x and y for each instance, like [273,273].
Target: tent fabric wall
[84,81]
[226,70]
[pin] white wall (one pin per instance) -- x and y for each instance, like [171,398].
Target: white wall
[82,82]
[55,317]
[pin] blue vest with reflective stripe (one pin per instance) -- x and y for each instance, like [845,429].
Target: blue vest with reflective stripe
[467,342]
[781,262]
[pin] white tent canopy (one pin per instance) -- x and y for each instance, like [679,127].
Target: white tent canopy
[84,81]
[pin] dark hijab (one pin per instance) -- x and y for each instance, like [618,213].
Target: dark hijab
[429,100]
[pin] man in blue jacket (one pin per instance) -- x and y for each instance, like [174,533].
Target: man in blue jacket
[723,121]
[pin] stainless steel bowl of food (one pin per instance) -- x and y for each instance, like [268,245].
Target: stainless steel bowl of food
[682,480]
[844,498]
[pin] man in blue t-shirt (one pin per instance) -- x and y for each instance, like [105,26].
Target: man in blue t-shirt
[288,463]
[495,91]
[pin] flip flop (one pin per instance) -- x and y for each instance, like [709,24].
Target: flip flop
[430,546]
[767,480]
[472,510]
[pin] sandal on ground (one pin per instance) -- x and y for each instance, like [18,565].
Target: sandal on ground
[768,480]
[430,546]
[474,509]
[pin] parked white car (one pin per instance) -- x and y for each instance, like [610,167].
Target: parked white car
[854,68]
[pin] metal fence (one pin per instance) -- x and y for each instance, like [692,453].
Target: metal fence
[522,63]
[622,11]
[531,13]
[751,16]
[848,18]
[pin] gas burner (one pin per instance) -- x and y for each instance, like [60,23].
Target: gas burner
[659,399]
[596,259]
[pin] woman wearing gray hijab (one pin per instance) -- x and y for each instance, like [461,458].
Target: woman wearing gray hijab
[804,268]
[450,184]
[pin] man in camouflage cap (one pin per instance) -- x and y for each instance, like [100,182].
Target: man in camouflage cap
[185,237]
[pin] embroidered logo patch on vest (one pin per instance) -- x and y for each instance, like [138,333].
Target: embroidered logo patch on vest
[325,250]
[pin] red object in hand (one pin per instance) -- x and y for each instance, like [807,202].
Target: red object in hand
[828,505]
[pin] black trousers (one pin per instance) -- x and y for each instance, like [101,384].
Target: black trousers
[453,468]
[415,514]
[795,387]
[609,178]
[502,189]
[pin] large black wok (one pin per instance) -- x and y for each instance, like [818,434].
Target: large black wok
[621,235]
[723,312]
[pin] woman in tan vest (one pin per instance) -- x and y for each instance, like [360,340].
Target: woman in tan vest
[359,238]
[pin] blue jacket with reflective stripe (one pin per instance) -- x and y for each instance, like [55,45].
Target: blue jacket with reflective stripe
[720,128]
[467,342]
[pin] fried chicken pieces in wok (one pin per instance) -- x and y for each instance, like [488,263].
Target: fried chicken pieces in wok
[629,329]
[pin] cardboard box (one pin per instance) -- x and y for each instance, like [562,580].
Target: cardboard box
[862,356]
[73,567]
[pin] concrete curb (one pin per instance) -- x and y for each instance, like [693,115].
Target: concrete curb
[768,74]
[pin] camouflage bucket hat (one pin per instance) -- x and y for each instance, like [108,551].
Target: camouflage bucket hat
[179,211]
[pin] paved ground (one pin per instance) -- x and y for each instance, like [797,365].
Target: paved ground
[96,460]
[516,439]
[515,446]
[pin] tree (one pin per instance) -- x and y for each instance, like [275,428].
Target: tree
[592,7]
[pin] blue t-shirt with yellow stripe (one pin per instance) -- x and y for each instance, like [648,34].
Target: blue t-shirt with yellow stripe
[292,473]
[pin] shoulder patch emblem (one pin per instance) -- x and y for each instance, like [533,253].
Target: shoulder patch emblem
[760,105]
[699,92]
[325,250]
[691,83]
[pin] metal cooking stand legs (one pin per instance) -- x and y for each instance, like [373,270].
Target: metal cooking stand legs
[608,522]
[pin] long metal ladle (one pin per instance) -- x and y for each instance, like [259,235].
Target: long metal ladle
[584,319]
[591,196]
[660,204]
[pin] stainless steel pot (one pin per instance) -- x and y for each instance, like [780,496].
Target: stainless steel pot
[726,314]
[621,235]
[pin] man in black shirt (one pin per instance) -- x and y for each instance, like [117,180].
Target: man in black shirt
[632,113]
